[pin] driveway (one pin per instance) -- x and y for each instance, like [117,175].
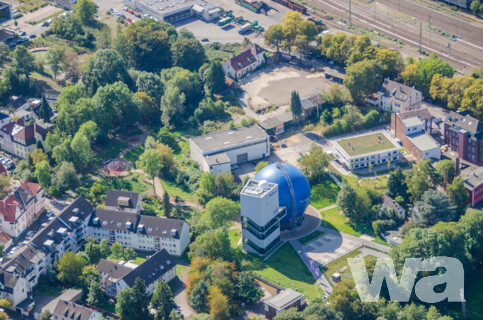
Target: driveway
[181,299]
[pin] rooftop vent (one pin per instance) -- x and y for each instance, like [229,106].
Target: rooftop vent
[174,232]
[141,228]
[128,225]
[96,221]
[76,211]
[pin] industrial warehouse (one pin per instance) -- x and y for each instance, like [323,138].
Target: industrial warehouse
[218,152]
[175,10]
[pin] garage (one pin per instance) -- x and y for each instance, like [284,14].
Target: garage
[242,158]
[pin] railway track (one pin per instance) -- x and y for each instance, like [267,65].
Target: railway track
[462,54]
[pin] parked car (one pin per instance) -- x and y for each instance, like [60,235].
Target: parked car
[32,36]
[128,19]
[22,33]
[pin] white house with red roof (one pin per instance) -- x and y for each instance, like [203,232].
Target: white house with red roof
[251,57]
[21,208]
[20,139]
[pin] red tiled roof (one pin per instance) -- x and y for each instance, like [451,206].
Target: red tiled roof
[26,133]
[31,187]
[8,207]
[4,238]
[246,58]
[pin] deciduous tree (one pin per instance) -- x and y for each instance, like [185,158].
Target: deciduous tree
[162,301]
[70,267]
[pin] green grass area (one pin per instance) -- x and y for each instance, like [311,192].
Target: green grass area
[332,267]
[47,292]
[30,5]
[134,154]
[139,260]
[133,182]
[175,191]
[109,150]
[365,144]
[379,182]
[285,268]
[41,55]
[335,220]
[324,194]
[234,235]
[181,270]
[311,237]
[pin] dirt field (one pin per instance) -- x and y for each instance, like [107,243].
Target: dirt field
[272,86]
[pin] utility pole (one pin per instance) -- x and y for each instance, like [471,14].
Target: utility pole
[420,34]
[430,29]
[350,12]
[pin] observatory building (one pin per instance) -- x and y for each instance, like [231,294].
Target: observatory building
[275,200]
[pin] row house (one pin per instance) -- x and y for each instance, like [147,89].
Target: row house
[21,208]
[140,232]
[114,276]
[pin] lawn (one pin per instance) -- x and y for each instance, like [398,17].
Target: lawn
[139,260]
[181,270]
[332,267]
[286,269]
[30,5]
[365,144]
[234,235]
[324,194]
[133,182]
[134,154]
[175,191]
[379,183]
[311,237]
[332,219]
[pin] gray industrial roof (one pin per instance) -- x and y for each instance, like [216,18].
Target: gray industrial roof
[228,138]
[284,299]
[423,141]
[218,158]
[464,121]
[167,6]
[474,178]
[411,122]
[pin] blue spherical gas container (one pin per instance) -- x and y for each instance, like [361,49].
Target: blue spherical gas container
[282,174]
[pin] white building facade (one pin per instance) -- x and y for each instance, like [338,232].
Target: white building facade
[251,58]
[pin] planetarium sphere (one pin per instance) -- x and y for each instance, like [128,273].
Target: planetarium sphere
[278,173]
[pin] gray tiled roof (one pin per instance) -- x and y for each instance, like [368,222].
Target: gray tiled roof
[464,121]
[113,195]
[151,269]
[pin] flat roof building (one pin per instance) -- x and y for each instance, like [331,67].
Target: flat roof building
[362,150]
[217,152]
[284,300]
[175,10]
[5,12]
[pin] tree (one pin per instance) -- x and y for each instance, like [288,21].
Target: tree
[445,170]
[274,36]
[214,77]
[162,301]
[5,303]
[90,130]
[434,206]
[56,56]
[476,6]
[145,45]
[105,248]
[471,225]
[4,185]
[172,105]
[93,252]
[66,176]
[315,163]
[347,200]
[419,181]
[46,315]
[473,99]
[213,245]
[70,267]
[151,84]
[167,160]
[71,66]
[219,212]
[42,174]
[150,163]
[4,54]
[86,10]
[218,303]
[197,299]
[360,79]
[188,53]
[117,251]
[458,195]
[246,288]
[106,67]
[129,254]
[81,148]
[319,309]
[23,61]
[95,294]
[397,184]
[295,105]
[132,303]
[44,111]
[260,165]
[290,314]
[167,206]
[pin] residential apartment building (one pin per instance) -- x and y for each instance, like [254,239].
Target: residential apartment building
[67,310]
[20,139]
[464,135]
[217,152]
[473,182]
[397,97]
[123,201]
[251,57]
[114,276]
[21,208]
[140,232]
[389,202]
